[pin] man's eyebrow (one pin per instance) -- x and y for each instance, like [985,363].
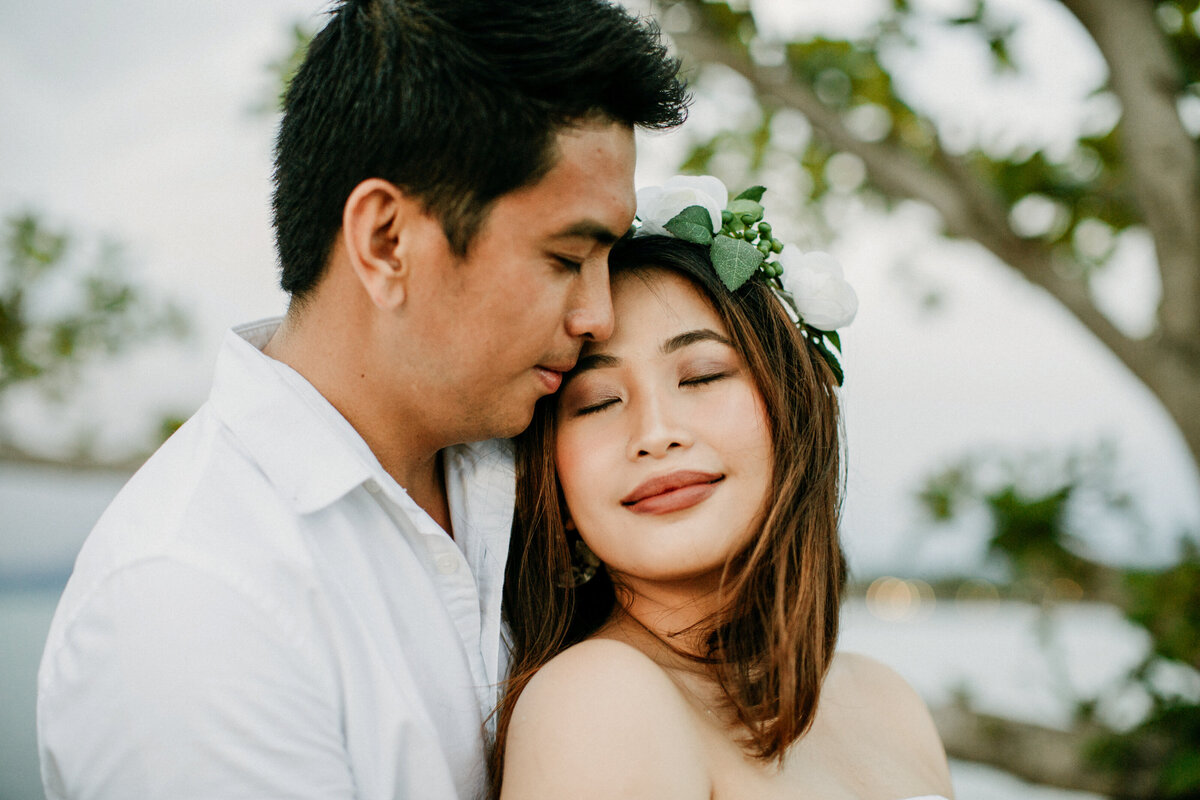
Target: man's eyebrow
[588,229]
[692,337]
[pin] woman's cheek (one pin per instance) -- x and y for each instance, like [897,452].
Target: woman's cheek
[571,460]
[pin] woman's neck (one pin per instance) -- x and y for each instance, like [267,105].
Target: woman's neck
[676,611]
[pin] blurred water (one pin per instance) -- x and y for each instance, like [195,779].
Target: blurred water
[47,513]
[24,619]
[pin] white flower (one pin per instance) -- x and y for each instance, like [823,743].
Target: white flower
[823,298]
[656,205]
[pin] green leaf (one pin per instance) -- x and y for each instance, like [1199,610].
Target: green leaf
[735,261]
[693,224]
[751,207]
[754,193]
[834,339]
[828,357]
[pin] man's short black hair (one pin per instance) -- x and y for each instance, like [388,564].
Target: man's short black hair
[457,102]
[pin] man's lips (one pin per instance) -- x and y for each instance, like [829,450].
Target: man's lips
[673,492]
[551,378]
[552,375]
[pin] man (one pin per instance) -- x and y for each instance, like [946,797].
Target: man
[298,595]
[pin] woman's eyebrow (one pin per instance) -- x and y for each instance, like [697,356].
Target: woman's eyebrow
[593,361]
[692,337]
[605,360]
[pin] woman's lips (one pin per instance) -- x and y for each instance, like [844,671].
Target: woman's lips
[673,492]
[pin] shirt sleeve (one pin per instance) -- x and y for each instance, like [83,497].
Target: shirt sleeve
[169,682]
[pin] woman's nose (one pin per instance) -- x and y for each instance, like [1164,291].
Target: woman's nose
[658,428]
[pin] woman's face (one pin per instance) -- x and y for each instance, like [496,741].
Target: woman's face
[663,449]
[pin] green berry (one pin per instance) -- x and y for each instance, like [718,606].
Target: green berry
[764,248]
[747,219]
[776,246]
[764,228]
[726,217]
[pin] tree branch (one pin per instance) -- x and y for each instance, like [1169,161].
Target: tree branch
[1164,166]
[968,207]
[1037,754]
[892,169]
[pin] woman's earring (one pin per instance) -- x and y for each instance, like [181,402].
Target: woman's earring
[584,564]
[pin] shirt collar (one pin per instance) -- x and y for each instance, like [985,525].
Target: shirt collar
[308,451]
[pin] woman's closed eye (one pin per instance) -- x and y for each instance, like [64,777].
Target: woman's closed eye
[703,378]
[595,405]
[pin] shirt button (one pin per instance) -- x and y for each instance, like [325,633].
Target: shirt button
[371,486]
[447,564]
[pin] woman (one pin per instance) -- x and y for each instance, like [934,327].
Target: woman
[696,455]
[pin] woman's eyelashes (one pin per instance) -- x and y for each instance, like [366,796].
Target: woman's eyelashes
[597,400]
[707,377]
[597,406]
[707,369]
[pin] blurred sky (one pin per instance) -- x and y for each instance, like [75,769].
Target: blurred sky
[133,119]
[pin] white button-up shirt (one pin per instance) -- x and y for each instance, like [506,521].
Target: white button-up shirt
[264,612]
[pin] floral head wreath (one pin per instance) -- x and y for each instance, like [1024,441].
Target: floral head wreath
[696,208]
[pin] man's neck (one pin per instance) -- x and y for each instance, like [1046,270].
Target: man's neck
[325,355]
[424,480]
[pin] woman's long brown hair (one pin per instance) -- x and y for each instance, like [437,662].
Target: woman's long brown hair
[771,644]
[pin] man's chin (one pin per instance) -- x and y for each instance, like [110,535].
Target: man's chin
[519,424]
[505,426]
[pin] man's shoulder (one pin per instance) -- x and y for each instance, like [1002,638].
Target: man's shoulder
[197,524]
[199,500]
[200,476]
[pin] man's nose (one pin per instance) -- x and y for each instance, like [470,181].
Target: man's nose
[592,315]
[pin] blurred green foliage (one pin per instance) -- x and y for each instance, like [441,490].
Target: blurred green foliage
[1033,505]
[58,311]
[281,69]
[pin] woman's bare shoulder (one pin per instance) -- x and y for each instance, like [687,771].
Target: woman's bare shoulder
[602,719]
[854,675]
[875,702]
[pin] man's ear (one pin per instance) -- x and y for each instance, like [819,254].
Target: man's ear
[375,220]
